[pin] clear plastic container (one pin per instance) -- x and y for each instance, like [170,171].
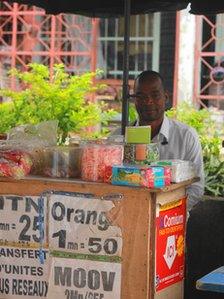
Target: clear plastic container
[58,162]
[98,159]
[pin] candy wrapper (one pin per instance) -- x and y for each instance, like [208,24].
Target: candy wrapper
[137,175]
[98,159]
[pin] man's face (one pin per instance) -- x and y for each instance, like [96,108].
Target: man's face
[150,99]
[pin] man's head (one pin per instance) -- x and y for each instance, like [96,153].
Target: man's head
[150,96]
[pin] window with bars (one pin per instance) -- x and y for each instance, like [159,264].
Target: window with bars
[143,48]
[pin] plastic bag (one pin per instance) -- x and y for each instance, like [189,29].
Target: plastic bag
[31,137]
[22,152]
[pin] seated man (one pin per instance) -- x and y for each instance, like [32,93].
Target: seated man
[175,139]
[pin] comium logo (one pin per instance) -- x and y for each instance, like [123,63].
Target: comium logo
[170,252]
[168,221]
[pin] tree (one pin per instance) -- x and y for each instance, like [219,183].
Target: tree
[62,97]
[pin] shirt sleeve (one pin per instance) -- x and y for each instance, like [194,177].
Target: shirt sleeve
[194,154]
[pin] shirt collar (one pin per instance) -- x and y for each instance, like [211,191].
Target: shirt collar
[164,130]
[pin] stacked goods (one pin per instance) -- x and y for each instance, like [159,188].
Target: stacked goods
[14,163]
[138,175]
[180,170]
[138,148]
[98,159]
[139,153]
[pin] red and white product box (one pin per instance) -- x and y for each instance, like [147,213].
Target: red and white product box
[170,244]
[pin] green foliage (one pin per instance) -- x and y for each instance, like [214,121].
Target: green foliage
[7,116]
[62,98]
[133,115]
[198,119]
[214,176]
[210,141]
[214,167]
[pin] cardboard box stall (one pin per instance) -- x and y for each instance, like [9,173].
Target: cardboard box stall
[91,240]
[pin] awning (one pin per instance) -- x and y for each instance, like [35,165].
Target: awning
[105,8]
[115,8]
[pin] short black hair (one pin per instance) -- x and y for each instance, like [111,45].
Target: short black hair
[145,75]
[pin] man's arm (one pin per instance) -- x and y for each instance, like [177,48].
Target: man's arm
[194,154]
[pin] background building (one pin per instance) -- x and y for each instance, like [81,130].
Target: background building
[187,50]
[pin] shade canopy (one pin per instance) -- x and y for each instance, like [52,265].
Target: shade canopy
[115,8]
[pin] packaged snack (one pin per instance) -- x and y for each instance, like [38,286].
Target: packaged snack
[137,175]
[141,153]
[24,148]
[180,170]
[14,163]
[141,134]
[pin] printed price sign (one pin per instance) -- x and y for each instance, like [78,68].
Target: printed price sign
[82,225]
[21,274]
[83,279]
[20,220]
[170,233]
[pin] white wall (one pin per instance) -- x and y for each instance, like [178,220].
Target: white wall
[186,57]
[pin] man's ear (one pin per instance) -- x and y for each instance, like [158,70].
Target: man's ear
[167,96]
[168,103]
